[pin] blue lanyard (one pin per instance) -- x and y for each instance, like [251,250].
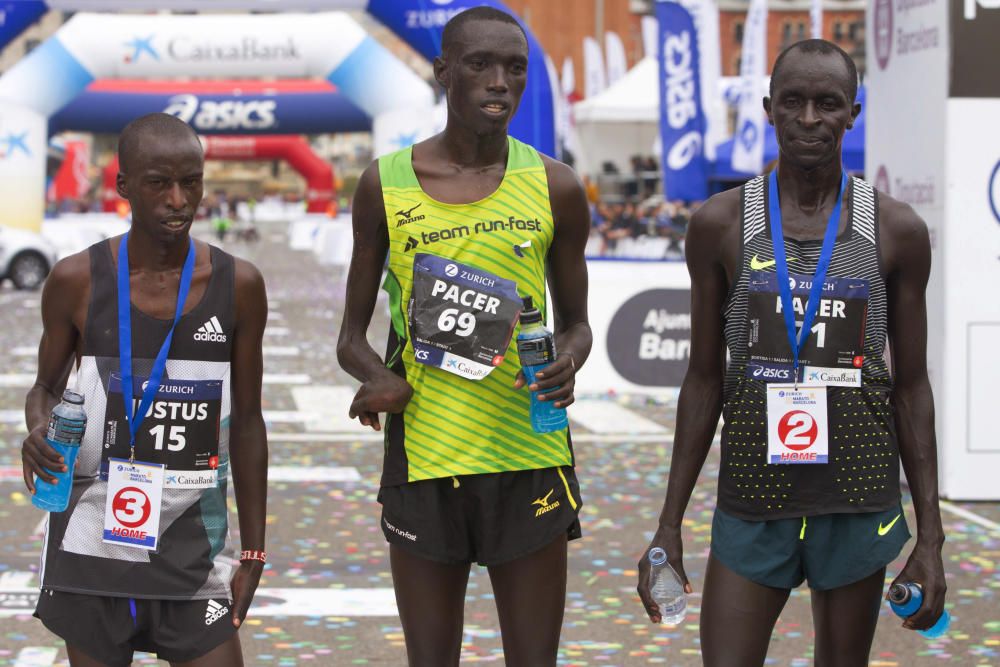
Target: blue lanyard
[125,339]
[781,267]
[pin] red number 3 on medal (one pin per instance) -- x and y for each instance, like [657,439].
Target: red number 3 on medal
[797,430]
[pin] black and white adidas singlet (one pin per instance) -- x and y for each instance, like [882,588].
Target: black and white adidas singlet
[187,429]
[863,470]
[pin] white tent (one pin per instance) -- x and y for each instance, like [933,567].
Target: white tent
[621,121]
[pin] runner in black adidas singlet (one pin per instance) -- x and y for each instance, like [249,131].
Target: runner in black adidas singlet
[183,600]
[810,493]
[465,477]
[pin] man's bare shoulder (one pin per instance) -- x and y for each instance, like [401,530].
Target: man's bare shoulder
[898,222]
[71,274]
[247,277]
[563,181]
[719,214]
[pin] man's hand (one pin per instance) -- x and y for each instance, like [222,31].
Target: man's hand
[244,585]
[386,392]
[926,568]
[560,373]
[669,540]
[37,454]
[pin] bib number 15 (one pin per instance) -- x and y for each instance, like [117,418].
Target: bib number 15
[461,323]
[175,437]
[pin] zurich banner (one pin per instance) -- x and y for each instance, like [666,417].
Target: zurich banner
[682,121]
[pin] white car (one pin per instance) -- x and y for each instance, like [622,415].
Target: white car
[25,257]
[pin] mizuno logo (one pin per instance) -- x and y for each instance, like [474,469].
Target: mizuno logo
[543,504]
[882,530]
[214,611]
[411,243]
[211,331]
[406,217]
[758,264]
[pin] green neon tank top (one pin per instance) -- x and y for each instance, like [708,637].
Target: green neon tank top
[454,425]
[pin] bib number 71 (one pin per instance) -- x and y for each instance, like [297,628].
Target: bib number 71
[461,323]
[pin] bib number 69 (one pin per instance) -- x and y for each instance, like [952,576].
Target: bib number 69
[451,319]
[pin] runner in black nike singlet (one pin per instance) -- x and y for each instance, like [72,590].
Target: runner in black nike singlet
[183,601]
[811,443]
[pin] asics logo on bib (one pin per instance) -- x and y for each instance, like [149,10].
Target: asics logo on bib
[214,611]
[543,504]
[211,331]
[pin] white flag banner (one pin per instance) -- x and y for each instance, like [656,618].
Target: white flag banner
[650,33]
[614,51]
[816,19]
[568,80]
[706,22]
[748,144]
[594,78]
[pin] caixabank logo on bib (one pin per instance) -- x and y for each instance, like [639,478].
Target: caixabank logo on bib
[649,338]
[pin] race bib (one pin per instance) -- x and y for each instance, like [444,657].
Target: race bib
[132,508]
[797,428]
[834,351]
[180,431]
[461,318]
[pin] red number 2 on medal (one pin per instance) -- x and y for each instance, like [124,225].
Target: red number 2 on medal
[797,430]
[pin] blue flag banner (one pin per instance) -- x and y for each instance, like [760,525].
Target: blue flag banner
[15,17]
[682,121]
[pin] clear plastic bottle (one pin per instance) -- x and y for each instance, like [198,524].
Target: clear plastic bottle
[66,426]
[667,588]
[536,347]
[905,600]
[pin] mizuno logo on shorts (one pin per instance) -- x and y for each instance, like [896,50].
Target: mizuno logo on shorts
[882,530]
[214,611]
[543,504]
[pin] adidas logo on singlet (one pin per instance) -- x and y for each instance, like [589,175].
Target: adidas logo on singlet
[211,331]
[214,611]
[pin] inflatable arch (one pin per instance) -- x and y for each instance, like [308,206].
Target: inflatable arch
[327,45]
[295,150]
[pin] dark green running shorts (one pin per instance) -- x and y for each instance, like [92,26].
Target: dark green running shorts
[830,550]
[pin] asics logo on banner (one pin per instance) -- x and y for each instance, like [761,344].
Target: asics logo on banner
[679,87]
[214,611]
[223,115]
[543,504]
[211,331]
[994,192]
[970,7]
[411,243]
[406,217]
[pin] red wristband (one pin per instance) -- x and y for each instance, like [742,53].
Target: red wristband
[248,554]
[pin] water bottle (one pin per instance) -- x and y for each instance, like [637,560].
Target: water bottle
[905,600]
[66,426]
[667,588]
[536,348]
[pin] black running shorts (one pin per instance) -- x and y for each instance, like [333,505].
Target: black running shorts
[491,518]
[109,629]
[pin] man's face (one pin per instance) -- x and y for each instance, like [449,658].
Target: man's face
[811,110]
[163,182]
[484,74]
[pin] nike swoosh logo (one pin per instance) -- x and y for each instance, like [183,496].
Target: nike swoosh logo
[882,530]
[758,264]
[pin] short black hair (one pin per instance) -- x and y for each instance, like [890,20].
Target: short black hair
[483,13]
[822,47]
[156,124]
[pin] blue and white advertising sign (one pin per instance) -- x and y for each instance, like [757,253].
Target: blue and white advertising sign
[682,122]
[15,17]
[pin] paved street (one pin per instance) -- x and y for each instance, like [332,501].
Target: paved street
[326,596]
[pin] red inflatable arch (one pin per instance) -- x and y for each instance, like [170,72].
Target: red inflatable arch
[295,150]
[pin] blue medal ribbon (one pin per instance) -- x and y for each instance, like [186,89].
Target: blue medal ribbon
[781,267]
[125,339]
